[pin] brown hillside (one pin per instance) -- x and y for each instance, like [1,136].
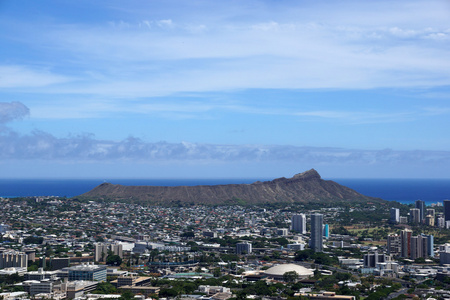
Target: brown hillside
[304,187]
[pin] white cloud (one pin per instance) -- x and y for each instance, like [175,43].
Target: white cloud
[16,76]
[301,46]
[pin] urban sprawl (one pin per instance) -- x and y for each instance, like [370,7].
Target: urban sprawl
[58,248]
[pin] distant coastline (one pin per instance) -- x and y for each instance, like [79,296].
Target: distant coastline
[401,190]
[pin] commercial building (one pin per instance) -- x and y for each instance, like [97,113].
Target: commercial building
[34,287]
[78,288]
[372,259]
[316,241]
[298,223]
[87,272]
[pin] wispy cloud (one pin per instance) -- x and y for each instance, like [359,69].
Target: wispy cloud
[18,76]
[161,56]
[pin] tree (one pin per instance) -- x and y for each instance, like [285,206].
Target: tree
[290,276]
[217,272]
[113,260]
[127,295]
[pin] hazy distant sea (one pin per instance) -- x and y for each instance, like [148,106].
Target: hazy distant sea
[401,190]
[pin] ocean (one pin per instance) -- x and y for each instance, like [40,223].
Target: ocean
[401,190]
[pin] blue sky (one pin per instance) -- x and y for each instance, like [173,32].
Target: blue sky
[198,89]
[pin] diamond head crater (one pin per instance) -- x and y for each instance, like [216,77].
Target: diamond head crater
[304,187]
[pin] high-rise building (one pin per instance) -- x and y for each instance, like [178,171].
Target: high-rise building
[14,259]
[420,204]
[414,215]
[429,220]
[420,246]
[447,210]
[299,223]
[405,238]
[102,250]
[316,241]
[394,245]
[395,215]
[441,222]
[430,212]
[243,248]
[430,245]
[326,231]
[416,247]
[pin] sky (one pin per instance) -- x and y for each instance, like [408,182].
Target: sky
[224,89]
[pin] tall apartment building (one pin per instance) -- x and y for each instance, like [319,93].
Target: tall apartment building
[430,212]
[394,245]
[298,223]
[414,215]
[395,215]
[316,241]
[102,250]
[243,248]
[405,238]
[447,210]
[430,247]
[419,247]
[416,246]
[429,220]
[12,258]
[420,205]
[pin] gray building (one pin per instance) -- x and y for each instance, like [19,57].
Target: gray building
[316,241]
[102,250]
[13,259]
[298,223]
[394,245]
[447,210]
[87,272]
[395,215]
[414,215]
[243,248]
[420,204]
[372,259]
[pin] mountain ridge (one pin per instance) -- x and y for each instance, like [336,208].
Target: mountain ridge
[302,187]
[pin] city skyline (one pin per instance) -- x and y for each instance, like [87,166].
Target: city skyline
[255,89]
